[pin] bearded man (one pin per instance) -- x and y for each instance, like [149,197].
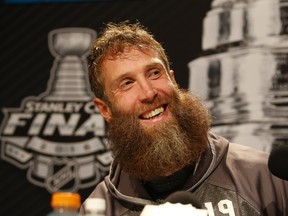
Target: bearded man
[160,140]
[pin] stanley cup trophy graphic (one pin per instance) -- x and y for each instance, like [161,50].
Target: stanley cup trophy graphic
[69,50]
[243,72]
[60,135]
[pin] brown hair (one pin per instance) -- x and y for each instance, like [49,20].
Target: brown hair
[114,39]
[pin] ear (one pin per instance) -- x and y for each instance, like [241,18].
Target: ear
[172,77]
[103,109]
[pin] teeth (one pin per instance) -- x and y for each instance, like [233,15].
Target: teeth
[154,113]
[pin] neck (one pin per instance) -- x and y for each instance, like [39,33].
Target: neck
[160,188]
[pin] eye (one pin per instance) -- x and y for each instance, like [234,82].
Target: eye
[154,74]
[126,84]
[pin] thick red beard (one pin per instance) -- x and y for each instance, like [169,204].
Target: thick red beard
[155,151]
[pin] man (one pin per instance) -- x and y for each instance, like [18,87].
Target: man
[160,139]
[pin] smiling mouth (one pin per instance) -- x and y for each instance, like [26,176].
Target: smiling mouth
[153,113]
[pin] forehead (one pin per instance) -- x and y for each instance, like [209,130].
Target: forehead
[128,59]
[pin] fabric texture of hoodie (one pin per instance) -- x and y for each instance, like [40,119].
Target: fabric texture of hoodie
[229,180]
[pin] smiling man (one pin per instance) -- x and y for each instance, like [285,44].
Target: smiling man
[160,140]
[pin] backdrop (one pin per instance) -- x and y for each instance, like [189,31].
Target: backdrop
[230,53]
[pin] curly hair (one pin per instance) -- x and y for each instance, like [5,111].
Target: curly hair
[113,40]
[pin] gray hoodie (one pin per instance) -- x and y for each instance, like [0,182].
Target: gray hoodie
[229,180]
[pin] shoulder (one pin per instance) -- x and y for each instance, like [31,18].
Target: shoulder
[99,191]
[249,155]
[246,164]
[238,152]
[240,161]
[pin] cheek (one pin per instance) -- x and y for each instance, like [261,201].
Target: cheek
[167,89]
[125,103]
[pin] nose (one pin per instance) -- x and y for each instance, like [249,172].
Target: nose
[147,92]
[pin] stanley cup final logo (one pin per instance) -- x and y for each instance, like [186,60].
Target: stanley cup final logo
[59,136]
